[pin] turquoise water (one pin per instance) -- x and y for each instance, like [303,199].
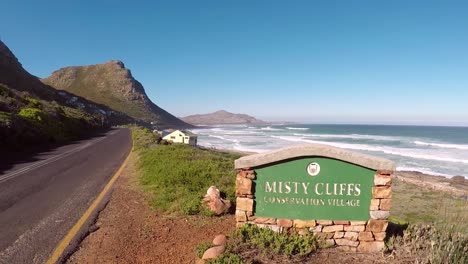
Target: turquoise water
[428,149]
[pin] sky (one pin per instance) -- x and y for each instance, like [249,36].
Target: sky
[372,62]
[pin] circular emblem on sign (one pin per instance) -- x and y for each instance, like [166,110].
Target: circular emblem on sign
[313,169]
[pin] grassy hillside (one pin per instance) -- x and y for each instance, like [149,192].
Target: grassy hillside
[177,176]
[26,120]
[113,85]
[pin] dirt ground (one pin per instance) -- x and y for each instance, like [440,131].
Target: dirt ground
[129,231]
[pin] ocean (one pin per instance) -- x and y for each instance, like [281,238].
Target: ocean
[441,151]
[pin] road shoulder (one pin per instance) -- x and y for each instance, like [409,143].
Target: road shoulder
[129,231]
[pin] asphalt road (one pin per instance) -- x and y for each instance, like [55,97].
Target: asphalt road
[41,199]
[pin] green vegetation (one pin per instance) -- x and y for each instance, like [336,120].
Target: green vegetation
[415,205]
[429,226]
[430,244]
[250,242]
[178,176]
[228,258]
[266,239]
[33,114]
[26,120]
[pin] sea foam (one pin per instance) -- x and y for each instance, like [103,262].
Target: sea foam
[452,146]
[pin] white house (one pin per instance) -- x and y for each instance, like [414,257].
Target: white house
[182,136]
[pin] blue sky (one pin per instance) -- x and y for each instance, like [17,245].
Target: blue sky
[398,62]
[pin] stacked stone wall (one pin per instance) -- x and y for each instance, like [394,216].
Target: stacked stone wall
[355,236]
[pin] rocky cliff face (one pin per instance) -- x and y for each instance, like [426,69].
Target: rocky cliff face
[113,85]
[223,118]
[12,74]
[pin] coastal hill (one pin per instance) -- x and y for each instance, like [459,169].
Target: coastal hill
[113,85]
[32,112]
[223,118]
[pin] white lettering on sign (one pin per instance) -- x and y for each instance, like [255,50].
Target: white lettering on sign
[320,188]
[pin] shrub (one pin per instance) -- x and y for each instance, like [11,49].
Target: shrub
[269,241]
[143,138]
[32,102]
[228,258]
[431,244]
[33,114]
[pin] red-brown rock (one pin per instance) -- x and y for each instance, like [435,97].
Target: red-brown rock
[219,240]
[214,252]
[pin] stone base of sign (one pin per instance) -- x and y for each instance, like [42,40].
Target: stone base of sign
[352,236]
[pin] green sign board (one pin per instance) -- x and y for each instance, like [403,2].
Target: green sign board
[314,188]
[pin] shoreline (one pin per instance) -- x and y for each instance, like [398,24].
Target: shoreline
[455,185]
[439,152]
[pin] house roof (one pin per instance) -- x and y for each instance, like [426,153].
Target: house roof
[188,133]
[185,132]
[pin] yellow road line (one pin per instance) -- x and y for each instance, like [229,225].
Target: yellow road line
[72,233]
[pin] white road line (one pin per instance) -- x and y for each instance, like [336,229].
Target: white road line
[39,164]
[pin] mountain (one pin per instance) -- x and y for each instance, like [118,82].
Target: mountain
[223,118]
[113,85]
[32,112]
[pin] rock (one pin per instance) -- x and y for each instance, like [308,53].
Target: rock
[385,204]
[324,236]
[385,172]
[382,180]
[244,204]
[379,214]
[346,242]
[219,240]
[384,192]
[304,223]
[380,236]
[221,206]
[275,228]
[366,236]
[353,223]
[347,248]
[330,242]
[351,235]
[374,204]
[243,185]
[324,222]
[335,222]
[333,228]
[355,228]
[339,234]
[317,228]
[264,220]
[213,193]
[285,222]
[241,216]
[377,225]
[371,247]
[214,202]
[214,252]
